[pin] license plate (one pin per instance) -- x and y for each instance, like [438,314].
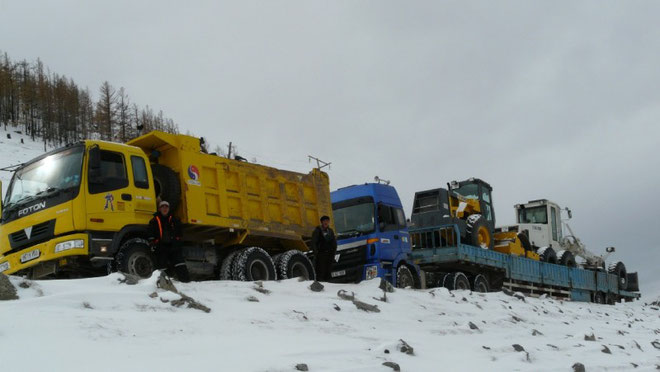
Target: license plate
[338,273]
[29,256]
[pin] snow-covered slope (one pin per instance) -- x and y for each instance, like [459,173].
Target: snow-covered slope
[12,152]
[101,324]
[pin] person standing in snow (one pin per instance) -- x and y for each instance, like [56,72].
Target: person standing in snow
[324,245]
[165,230]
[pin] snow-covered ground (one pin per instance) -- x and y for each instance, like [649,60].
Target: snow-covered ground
[101,324]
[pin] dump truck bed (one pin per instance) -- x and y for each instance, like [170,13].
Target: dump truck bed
[234,201]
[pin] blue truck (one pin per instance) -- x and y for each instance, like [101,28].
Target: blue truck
[372,236]
[374,240]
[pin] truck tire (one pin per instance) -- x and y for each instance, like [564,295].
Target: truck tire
[135,258]
[566,258]
[456,280]
[251,264]
[599,297]
[619,269]
[404,277]
[167,185]
[294,264]
[478,233]
[548,255]
[225,272]
[480,284]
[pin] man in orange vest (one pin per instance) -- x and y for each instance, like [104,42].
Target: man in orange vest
[165,229]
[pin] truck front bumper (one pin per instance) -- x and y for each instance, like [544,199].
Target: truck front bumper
[50,251]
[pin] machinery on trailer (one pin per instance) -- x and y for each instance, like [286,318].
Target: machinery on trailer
[554,239]
[83,208]
[444,259]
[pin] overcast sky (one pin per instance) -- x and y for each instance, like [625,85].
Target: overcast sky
[556,100]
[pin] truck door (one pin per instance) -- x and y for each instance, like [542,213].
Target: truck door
[391,224]
[110,203]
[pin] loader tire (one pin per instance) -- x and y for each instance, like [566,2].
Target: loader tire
[135,258]
[619,269]
[566,258]
[548,255]
[294,264]
[227,266]
[404,277]
[480,284]
[252,264]
[478,233]
[167,185]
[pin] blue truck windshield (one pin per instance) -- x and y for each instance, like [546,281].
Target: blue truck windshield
[57,172]
[355,219]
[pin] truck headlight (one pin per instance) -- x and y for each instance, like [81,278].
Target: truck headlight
[371,272]
[69,244]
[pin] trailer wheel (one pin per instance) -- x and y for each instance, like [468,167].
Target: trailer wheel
[480,284]
[167,185]
[566,258]
[456,280]
[599,297]
[548,255]
[478,232]
[252,264]
[294,264]
[619,269]
[404,277]
[227,266]
[135,258]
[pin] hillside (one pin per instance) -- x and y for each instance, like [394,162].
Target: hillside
[102,324]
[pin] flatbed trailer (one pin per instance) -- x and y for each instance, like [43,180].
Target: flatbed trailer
[442,257]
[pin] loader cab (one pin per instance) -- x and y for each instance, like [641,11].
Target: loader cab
[478,190]
[542,219]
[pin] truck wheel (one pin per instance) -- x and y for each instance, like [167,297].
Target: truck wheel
[478,232]
[619,269]
[548,255]
[294,264]
[252,264]
[227,266]
[456,280]
[404,277]
[480,284]
[599,298]
[566,258]
[135,258]
[167,185]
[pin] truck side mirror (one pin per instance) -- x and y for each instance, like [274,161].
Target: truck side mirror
[95,164]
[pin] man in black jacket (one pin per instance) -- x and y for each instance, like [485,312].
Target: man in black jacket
[165,229]
[324,245]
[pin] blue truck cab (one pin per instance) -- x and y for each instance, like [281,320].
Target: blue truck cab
[372,236]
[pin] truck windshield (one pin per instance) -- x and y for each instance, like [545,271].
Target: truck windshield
[353,219]
[533,215]
[57,172]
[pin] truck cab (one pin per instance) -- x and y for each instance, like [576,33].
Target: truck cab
[372,235]
[542,220]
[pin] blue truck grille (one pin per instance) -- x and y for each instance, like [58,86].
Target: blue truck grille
[351,261]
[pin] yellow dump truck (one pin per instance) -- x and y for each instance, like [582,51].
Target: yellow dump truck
[85,208]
